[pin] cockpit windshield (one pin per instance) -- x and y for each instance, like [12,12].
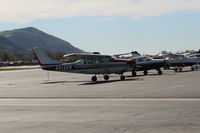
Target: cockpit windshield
[148,58]
[79,62]
[142,59]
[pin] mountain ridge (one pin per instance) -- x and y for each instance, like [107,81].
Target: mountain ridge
[24,39]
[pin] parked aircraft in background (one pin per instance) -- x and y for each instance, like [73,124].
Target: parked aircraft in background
[195,55]
[180,61]
[162,55]
[86,64]
[144,63]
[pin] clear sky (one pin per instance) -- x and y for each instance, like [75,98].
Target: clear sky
[110,26]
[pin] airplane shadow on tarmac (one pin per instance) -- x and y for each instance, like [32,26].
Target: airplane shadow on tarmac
[184,71]
[112,81]
[141,75]
[58,82]
[90,82]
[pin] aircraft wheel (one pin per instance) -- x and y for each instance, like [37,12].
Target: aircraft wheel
[106,77]
[145,72]
[180,69]
[160,72]
[175,69]
[196,67]
[122,77]
[134,73]
[167,67]
[192,68]
[94,78]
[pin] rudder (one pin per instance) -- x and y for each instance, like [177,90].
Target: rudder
[43,59]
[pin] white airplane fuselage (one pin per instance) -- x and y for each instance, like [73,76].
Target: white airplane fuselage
[182,62]
[116,67]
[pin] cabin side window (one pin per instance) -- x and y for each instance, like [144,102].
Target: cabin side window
[147,58]
[91,61]
[140,60]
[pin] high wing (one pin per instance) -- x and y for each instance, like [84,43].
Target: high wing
[132,54]
[176,56]
[85,56]
[118,55]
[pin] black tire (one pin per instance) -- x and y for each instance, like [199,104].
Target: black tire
[122,77]
[106,77]
[94,78]
[175,69]
[146,72]
[180,69]
[167,67]
[134,73]
[192,68]
[160,72]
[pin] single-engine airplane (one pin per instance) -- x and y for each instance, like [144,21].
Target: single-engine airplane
[180,61]
[144,63]
[86,63]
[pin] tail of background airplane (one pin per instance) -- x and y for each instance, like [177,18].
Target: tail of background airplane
[164,53]
[135,54]
[43,59]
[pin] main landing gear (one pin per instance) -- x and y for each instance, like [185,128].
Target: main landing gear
[94,78]
[134,73]
[159,72]
[122,77]
[192,68]
[145,72]
[106,77]
[176,69]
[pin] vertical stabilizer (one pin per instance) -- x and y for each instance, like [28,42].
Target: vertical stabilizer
[43,59]
[135,54]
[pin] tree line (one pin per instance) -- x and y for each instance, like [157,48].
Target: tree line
[8,56]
